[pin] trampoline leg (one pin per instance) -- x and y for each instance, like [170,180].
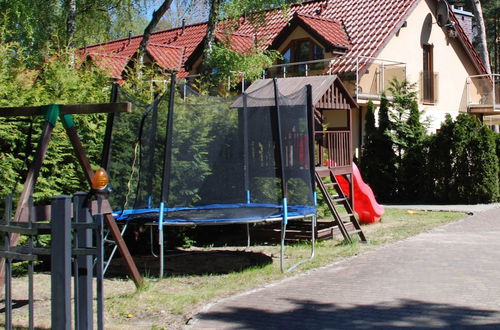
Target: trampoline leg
[113,251]
[160,237]
[151,243]
[313,236]
[162,252]
[248,235]
[282,249]
[313,246]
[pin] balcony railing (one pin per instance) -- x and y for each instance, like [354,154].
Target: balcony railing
[334,149]
[483,93]
[365,77]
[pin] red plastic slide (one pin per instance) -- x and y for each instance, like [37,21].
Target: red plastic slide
[365,205]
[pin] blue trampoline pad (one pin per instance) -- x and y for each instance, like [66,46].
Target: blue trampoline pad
[216,214]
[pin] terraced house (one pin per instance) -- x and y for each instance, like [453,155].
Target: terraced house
[366,43]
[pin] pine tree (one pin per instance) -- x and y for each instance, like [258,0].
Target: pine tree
[463,162]
[413,177]
[440,162]
[378,154]
[369,152]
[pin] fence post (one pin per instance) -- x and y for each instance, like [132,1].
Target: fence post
[84,274]
[8,266]
[61,262]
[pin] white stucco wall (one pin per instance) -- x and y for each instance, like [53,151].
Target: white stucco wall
[451,62]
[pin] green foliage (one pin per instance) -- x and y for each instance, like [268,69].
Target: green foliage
[253,7]
[378,161]
[440,164]
[394,153]
[497,141]
[463,163]
[56,81]
[42,27]
[227,63]
[407,134]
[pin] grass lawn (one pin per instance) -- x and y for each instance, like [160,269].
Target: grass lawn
[170,302]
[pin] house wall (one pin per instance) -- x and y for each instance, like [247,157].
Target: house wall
[451,62]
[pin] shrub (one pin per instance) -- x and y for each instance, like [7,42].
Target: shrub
[55,81]
[462,162]
[378,161]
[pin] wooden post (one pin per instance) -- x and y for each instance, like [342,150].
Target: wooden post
[29,183]
[52,112]
[110,221]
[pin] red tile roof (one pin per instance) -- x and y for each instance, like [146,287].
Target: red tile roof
[368,23]
[237,42]
[171,41]
[112,64]
[331,30]
[366,26]
[166,56]
[468,45]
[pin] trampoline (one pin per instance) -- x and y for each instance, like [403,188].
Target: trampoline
[201,160]
[216,214]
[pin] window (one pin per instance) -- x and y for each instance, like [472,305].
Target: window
[302,50]
[428,81]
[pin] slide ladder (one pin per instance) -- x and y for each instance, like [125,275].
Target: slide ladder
[349,227]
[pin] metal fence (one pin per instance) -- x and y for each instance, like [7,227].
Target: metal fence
[76,248]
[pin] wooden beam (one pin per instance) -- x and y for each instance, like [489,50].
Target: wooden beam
[110,221]
[33,172]
[43,212]
[77,109]
[484,109]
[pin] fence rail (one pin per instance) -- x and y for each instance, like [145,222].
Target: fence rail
[76,242]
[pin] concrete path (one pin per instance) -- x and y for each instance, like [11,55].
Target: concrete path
[448,278]
[467,208]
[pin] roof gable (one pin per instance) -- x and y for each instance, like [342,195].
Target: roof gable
[112,64]
[329,33]
[168,57]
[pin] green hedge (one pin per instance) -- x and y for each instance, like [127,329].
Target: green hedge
[463,162]
[458,164]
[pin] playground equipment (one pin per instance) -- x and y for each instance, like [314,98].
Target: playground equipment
[76,245]
[64,112]
[204,160]
[366,206]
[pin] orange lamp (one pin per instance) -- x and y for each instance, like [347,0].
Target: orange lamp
[100,179]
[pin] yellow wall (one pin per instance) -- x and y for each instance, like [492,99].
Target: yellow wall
[300,33]
[451,62]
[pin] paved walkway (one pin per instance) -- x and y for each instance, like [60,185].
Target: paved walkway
[448,278]
[453,207]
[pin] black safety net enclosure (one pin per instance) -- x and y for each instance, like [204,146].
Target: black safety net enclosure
[187,158]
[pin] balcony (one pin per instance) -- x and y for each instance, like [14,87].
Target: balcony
[365,77]
[483,94]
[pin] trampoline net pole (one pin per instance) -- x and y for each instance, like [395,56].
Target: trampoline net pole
[167,157]
[167,165]
[106,146]
[245,149]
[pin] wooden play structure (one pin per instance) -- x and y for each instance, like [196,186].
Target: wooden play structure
[52,114]
[332,117]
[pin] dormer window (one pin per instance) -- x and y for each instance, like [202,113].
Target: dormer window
[302,50]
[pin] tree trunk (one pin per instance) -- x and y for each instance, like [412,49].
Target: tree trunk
[157,15]
[210,36]
[71,23]
[482,47]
